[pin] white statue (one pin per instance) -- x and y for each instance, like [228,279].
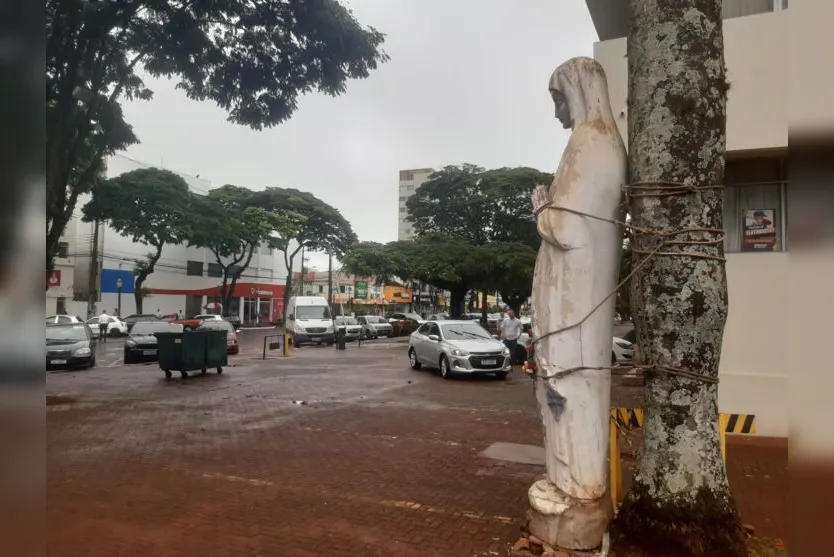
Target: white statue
[576,269]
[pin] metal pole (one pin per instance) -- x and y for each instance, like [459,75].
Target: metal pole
[119,309]
[301,278]
[330,281]
[92,283]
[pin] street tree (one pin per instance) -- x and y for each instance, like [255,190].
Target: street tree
[149,205]
[680,502]
[323,227]
[442,261]
[478,205]
[253,59]
[371,259]
[228,224]
[506,267]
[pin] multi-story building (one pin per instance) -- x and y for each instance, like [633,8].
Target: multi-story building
[185,279]
[753,365]
[410,180]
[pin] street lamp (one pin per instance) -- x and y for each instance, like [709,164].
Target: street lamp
[119,284]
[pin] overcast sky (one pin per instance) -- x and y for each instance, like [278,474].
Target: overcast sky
[467,82]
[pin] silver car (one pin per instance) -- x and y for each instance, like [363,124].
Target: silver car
[350,325]
[458,347]
[375,326]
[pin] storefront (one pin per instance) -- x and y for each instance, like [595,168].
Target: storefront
[254,304]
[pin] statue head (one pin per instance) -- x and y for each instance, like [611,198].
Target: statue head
[580,92]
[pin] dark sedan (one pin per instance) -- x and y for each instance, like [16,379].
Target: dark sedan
[69,346]
[140,345]
[135,318]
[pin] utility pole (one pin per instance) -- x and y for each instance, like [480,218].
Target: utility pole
[303,272]
[92,282]
[330,281]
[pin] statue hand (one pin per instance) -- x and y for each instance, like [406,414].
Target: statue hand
[541,197]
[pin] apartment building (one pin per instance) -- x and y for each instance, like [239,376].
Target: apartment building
[754,369]
[185,280]
[410,180]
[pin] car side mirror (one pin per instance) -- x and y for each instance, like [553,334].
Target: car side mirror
[291,317]
[434,338]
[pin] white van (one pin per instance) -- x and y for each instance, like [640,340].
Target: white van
[309,320]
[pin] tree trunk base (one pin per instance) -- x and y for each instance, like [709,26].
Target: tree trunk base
[645,527]
[561,521]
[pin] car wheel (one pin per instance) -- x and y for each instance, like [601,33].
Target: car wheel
[168,374]
[412,359]
[128,359]
[92,363]
[502,375]
[445,372]
[113,333]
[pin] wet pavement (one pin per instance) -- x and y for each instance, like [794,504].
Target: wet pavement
[323,453]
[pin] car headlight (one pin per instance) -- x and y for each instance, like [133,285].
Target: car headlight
[330,328]
[130,343]
[506,351]
[82,352]
[459,352]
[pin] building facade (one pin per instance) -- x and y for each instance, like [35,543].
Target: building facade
[186,279]
[410,180]
[753,362]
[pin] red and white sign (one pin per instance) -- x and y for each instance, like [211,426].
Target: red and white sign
[53,278]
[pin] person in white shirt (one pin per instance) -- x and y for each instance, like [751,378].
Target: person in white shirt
[510,331]
[103,322]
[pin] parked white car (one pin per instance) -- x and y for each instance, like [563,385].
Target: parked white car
[115,326]
[622,351]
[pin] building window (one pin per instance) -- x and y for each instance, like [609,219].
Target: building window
[754,205]
[742,8]
[215,270]
[62,250]
[402,209]
[235,270]
[194,268]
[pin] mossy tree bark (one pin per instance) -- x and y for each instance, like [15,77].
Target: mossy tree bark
[680,503]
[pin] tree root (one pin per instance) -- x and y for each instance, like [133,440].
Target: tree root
[645,527]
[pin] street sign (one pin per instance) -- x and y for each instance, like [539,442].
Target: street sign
[360,289]
[54,278]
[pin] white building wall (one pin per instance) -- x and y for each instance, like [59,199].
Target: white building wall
[410,180]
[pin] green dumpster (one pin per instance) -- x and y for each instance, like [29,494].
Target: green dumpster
[191,351]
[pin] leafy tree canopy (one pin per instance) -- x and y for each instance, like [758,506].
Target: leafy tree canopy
[253,59]
[151,206]
[324,228]
[477,205]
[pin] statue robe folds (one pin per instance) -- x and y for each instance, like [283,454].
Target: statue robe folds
[577,268]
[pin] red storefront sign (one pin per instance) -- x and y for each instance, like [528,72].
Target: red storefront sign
[53,278]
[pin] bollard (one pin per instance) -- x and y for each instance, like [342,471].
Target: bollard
[341,334]
[287,343]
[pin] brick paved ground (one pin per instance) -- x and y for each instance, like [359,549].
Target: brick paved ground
[380,461]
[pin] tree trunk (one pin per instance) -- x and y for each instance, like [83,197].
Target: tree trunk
[484,310]
[457,299]
[680,503]
[288,262]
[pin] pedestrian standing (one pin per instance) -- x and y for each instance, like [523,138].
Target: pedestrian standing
[510,332]
[103,321]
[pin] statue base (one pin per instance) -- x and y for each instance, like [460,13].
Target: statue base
[564,522]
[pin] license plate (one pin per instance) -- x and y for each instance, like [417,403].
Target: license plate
[149,352]
[489,362]
[58,362]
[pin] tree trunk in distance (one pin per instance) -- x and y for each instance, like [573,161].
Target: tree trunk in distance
[680,503]
[457,298]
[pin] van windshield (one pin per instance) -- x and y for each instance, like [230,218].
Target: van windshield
[312,312]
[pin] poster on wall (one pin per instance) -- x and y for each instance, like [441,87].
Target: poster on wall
[759,230]
[360,289]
